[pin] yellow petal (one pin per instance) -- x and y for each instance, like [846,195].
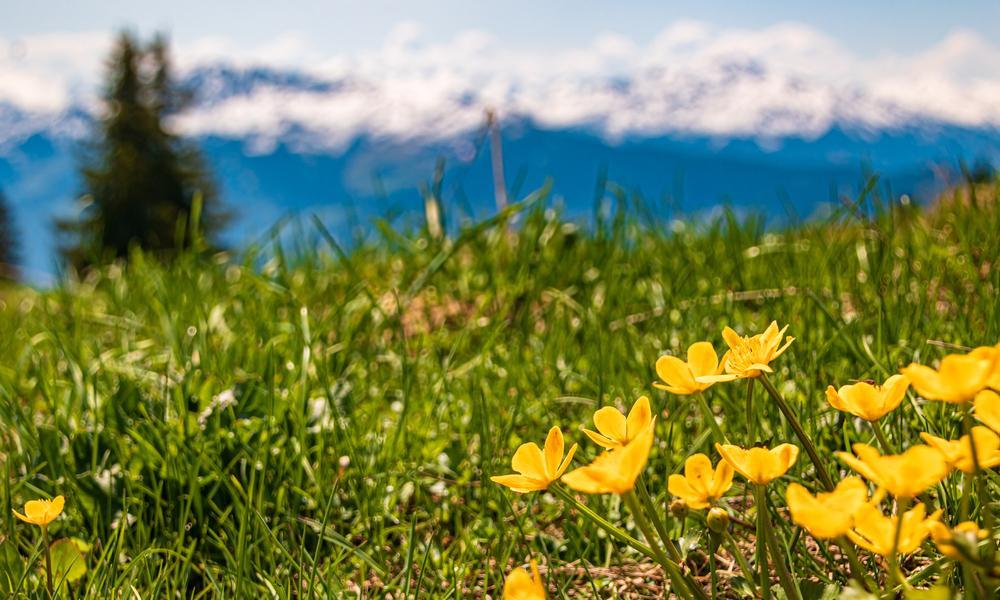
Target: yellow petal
[611,423]
[528,461]
[698,471]
[635,454]
[732,338]
[987,409]
[522,586]
[733,455]
[859,466]
[771,335]
[614,472]
[827,515]
[894,390]
[602,441]
[553,452]
[590,479]
[835,399]
[672,389]
[867,401]
[56,508]
[702,359]
[903,475]
[864,400]
[35,509]
[676,374]
[780,351]
[43,512]
[717,378]
[958,453]
[722,480]
[806,511]
[971,371]
[759,465]
[785,456]
[679,486]
[520,483]
[851,493]
[926,382]
[959,378]
[565,462]
[638,418]
[862,541]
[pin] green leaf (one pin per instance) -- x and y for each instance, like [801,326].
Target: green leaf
[815,590]
[68,563]
[11,565]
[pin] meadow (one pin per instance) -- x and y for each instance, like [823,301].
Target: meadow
[302,420]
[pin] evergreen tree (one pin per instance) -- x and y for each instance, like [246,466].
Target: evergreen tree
[142,182]
[8,242]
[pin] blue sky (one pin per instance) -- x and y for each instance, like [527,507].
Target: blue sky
[871,62]
[336,26]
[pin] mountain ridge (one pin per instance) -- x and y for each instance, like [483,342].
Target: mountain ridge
[281,162]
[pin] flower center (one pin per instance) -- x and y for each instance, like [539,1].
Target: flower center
[750,351]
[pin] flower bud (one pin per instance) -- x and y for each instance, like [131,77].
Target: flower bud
[718,519]
[679,508]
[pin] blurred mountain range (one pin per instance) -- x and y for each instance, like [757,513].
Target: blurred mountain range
[349,148]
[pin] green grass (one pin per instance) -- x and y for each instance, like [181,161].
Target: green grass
[424,364]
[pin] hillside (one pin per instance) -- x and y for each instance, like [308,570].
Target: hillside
[256,424]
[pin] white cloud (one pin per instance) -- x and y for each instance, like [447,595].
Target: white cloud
[47,72]
[786,79]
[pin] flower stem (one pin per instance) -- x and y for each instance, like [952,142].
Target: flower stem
[902,504]
[761,542]
[824,477]
[751,433]
[964,504]
[48,562]
[706,413]
[777,556]
[713,547]
[883,441]
[661,528]
[857,569]
[603,523]
[676,581]
[741,560]
[980,482]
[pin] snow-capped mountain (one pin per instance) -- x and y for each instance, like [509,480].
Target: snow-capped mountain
[351,141]
[723,100]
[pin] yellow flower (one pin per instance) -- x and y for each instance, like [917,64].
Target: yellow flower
[958,453]
[615,429]
[41,512]
[966,533]
[987,408]
[681,377]
[875,532]
[615,471]
[959,378]
[903,475]
[827,515]
[700,485]
[537,470]
[522,586]
[869,401]
[759,465]
[750,356]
